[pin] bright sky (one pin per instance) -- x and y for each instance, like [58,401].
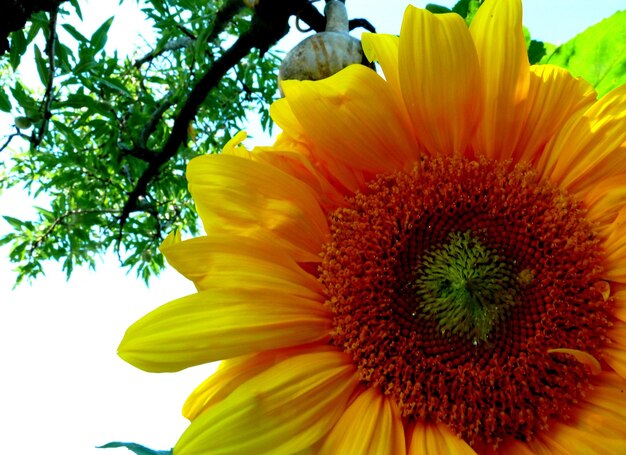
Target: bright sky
[63,388]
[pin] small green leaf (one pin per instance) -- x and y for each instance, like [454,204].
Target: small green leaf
[14,222]
[536,51]
[99,37]
[18,47]
[135,448]
[75,33]
[598,54]
[5,102]
[437,9]
[42,67]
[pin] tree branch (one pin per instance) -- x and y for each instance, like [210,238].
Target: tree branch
[269,24]
[47,99]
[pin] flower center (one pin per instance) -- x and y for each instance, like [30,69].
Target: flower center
[450,284]
[464,286]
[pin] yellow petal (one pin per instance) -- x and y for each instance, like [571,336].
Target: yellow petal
[251,198]
[604,200]
[497,32]
[619,310]
[440,79]
[553,97]
[282,410]
[581,356]
[590,147]
[352,117]
[371,425]
[604,410]
[616,358]
[565,439]
[223,260]
[220,323]
[615,247]
[231,374]
[382,48]
[427,438]
[343,175]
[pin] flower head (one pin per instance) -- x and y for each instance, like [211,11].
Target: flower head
[429,262]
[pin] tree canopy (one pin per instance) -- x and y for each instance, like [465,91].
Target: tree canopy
[106,137]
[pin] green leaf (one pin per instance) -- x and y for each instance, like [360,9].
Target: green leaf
[437,9]
[135,448]
[42,67]
[536,51]
[75,33]
[14,222]
[18,47]
[598,54]
[99,37]
[467,9]
[5,102]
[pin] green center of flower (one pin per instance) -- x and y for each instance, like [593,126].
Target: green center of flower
[466,287]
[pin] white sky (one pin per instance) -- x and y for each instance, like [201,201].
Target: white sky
[63,390]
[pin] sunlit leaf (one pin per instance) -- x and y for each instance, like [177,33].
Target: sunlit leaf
[99,37]
[598,54]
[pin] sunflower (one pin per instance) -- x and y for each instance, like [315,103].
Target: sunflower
[433,261]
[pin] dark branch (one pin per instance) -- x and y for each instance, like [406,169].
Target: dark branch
[47,99]
[15,13]
[153,121]
[10,138]
[362,23]
[269,24]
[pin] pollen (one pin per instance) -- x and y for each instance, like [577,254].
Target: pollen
[449,285]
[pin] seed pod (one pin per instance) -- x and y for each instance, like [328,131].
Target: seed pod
[325,53]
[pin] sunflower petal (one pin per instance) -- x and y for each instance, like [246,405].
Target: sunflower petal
[220,323]
[336,114]
[497,32]
[589,147]
[382,48]
[615,247]
[554,96]
[604,200]
[429,438]
[443,95]
[231,374]
[223,260]
[603,413]
[284,409]
[370,425]
[252,198]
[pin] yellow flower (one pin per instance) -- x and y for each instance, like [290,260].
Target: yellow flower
[429,262]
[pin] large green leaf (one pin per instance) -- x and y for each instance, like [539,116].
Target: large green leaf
[598,54]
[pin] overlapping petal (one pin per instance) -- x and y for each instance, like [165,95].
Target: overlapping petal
[426,438]
[371,425]
[553,97]
[440,80]
[223,260]
[497,33]
[336,115]
[239,195]
[284,409]
[589,147]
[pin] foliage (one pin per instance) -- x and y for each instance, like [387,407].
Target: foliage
[111,136]
[598,55]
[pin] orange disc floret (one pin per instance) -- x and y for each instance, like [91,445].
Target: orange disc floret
[449,285]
